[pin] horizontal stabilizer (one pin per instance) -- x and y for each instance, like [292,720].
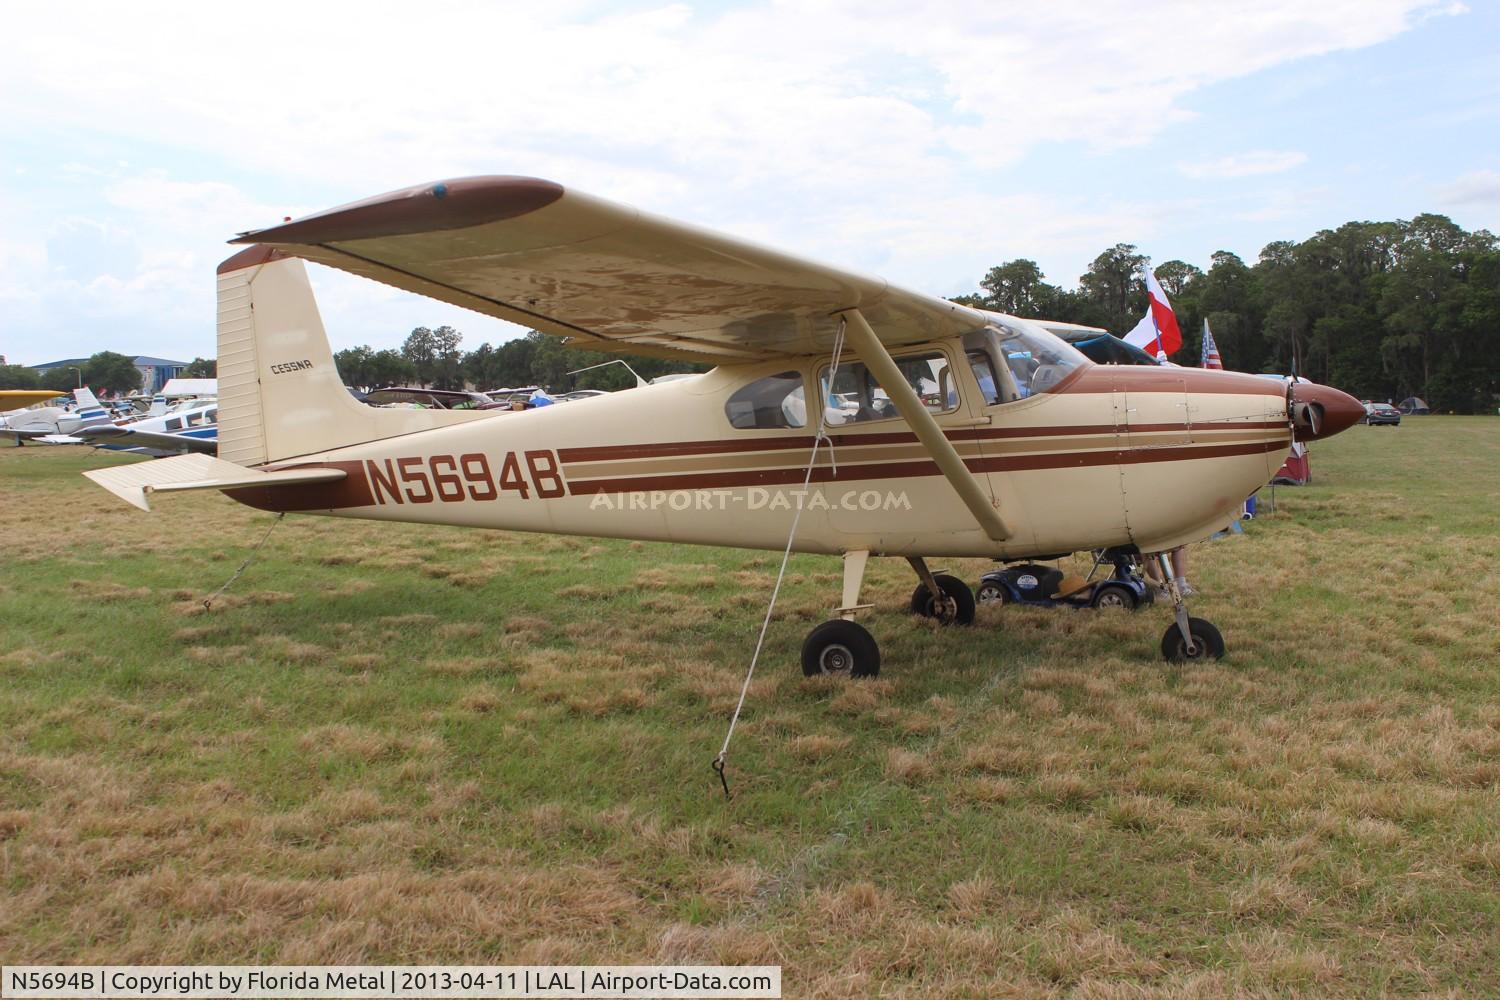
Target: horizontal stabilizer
[131,483]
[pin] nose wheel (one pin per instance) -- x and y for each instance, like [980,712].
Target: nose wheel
[1208,644]
[1186,639]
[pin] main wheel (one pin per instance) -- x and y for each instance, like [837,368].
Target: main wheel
[955,607]
[840,647]
[1114,595]
[1207,642]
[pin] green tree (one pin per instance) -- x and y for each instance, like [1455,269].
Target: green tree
[365,368]
[1175,275]
[353,364]
[1228,296]
[1014,287]
[19,377]
[435,356]
[387,367]
[1115,283]
[63,378]
[112,373]
[202,368]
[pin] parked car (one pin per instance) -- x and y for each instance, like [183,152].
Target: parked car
[1381,413]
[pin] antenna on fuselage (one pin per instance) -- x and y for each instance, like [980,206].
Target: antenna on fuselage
[639,382]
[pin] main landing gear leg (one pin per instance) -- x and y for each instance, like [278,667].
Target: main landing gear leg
[843,646]
[953,603]
[1186,638]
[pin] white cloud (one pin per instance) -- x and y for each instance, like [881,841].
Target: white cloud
[861,132]
[769,92]
[1262,161]
[1482,187]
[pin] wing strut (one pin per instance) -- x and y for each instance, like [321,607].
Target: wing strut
[873,353]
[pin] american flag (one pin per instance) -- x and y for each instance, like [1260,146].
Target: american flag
[1211,357]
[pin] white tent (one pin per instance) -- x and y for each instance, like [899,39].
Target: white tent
[179,387]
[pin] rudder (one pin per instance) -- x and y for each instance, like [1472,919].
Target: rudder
[280,394]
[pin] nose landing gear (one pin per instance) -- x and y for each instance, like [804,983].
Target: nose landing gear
[1186,639]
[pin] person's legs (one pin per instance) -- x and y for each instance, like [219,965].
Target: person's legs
[1179,570]
[1153,574]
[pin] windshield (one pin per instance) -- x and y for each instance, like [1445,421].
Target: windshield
[1037,360]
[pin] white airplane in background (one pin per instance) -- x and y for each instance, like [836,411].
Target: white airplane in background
[193,429]
[54,424]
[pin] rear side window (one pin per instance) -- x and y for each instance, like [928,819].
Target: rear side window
[769,403]
[855,397]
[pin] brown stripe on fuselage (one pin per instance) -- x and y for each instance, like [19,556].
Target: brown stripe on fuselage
[904,470]
[351,491]
[1161,436]
[664,449]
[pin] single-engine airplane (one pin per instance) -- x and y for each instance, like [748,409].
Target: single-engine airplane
[182,430]
[924,428]
[55,424]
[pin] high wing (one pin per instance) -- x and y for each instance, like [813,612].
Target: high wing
[601,274]
[127,437]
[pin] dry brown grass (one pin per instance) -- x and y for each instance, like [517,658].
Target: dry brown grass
[414,744]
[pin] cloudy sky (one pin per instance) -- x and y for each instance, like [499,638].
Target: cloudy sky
[924,147]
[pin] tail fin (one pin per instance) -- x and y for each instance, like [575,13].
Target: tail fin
[90,412]
[280,395]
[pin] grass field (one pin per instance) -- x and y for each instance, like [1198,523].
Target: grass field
[408,744]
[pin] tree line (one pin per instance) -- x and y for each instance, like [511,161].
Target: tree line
[1382,310]
[434,358]
[106,373]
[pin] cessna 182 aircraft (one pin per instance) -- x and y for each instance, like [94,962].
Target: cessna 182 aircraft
[934,429]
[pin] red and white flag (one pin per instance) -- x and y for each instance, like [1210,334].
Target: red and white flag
[1157,332]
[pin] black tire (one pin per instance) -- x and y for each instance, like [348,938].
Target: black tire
[1207,642]
[990,592]
[1114,596]
[958,602]
[840,647]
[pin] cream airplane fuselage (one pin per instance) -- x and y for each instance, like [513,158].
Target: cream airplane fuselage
[1114,456]
[966,433]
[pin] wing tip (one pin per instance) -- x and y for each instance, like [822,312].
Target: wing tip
[451,204]
[250,257]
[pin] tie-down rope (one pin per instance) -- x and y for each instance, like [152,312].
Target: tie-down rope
[208,602]
[786,555]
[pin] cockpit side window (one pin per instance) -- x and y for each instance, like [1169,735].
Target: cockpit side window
[984,374]
[769,403]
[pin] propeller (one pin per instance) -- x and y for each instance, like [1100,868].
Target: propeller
[1306,418]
